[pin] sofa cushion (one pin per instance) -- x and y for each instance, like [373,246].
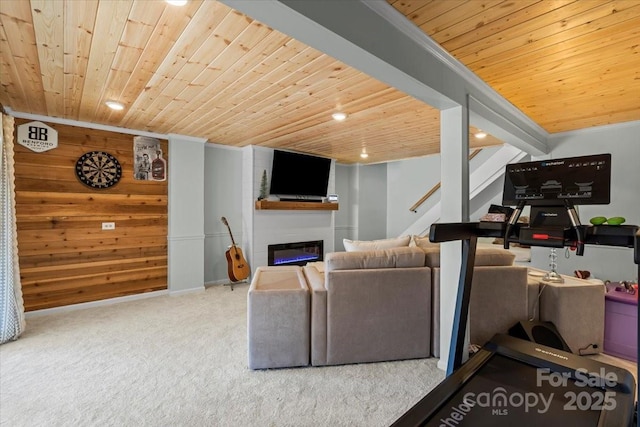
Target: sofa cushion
[377,315]
[372,245]
[402,257]
[485,256]
[318,265]
[423,242]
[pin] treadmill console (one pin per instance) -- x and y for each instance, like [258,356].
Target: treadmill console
[549,186]
[584,180]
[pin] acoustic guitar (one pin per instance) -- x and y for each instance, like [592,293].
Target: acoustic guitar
[237,266]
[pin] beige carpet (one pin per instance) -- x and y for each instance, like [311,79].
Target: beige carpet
[181,361]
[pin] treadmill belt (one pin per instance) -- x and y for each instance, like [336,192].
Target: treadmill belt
[506,392]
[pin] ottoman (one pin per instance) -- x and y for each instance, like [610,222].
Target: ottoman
[278,318]
[576,308]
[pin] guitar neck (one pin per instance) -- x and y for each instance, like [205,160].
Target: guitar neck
[224,220]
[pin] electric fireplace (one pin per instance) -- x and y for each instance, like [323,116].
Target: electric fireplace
[297,253]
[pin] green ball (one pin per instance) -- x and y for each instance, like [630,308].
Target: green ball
[598,220]
[616,220]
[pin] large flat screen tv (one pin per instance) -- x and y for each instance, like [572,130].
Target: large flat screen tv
[295,174]
[584,180]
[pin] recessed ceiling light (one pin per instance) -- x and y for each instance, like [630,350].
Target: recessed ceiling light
[115,105]
[480,134]
[364,153]
[339,116]
[177,2]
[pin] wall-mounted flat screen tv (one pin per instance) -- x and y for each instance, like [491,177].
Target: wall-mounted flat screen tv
[584,180]
[296,174]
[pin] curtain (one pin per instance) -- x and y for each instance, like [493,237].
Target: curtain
[11,304]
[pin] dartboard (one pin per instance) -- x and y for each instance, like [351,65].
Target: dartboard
[98,169]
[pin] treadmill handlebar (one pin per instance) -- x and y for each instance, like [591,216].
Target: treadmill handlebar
[449,232]
[513,220]
[603,235]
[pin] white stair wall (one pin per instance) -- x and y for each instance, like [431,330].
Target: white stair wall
[479,179]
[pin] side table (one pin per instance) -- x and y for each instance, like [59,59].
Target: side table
[576,308]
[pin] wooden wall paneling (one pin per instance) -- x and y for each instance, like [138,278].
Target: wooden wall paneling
[45,273]
[29,184]
[85,234]
[81,293]
[83,247]
[84,209]
[105,255]
[65,256]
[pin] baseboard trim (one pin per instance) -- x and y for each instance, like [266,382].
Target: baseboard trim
[186,291]
[216,282]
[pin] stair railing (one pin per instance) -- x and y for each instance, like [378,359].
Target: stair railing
[436,187]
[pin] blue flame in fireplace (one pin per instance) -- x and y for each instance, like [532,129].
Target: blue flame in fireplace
[298,253]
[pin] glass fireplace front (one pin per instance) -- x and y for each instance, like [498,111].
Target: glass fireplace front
[297,253]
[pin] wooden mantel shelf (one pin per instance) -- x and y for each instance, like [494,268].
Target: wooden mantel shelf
[296,206]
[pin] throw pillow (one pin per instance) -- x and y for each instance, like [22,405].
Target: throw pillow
[372,245]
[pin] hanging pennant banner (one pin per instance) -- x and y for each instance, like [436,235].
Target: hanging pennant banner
[37,136]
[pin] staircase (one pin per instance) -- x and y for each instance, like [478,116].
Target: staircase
[479,179]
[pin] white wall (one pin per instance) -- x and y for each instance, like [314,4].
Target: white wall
[222,198]
[375,201]
[346,218]
[623,142]
[186,214]
[372,202]
[409,180]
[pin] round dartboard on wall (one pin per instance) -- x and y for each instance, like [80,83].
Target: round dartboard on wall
[98,169]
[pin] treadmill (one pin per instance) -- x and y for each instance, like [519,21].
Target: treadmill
[511,381]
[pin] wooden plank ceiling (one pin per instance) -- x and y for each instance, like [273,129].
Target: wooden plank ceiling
[566,64]
[208,71]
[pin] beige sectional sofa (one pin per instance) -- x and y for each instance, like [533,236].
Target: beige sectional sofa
[500,296]
[370,306]
[377,305]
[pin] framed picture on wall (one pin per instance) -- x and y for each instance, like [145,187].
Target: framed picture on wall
[148,162]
